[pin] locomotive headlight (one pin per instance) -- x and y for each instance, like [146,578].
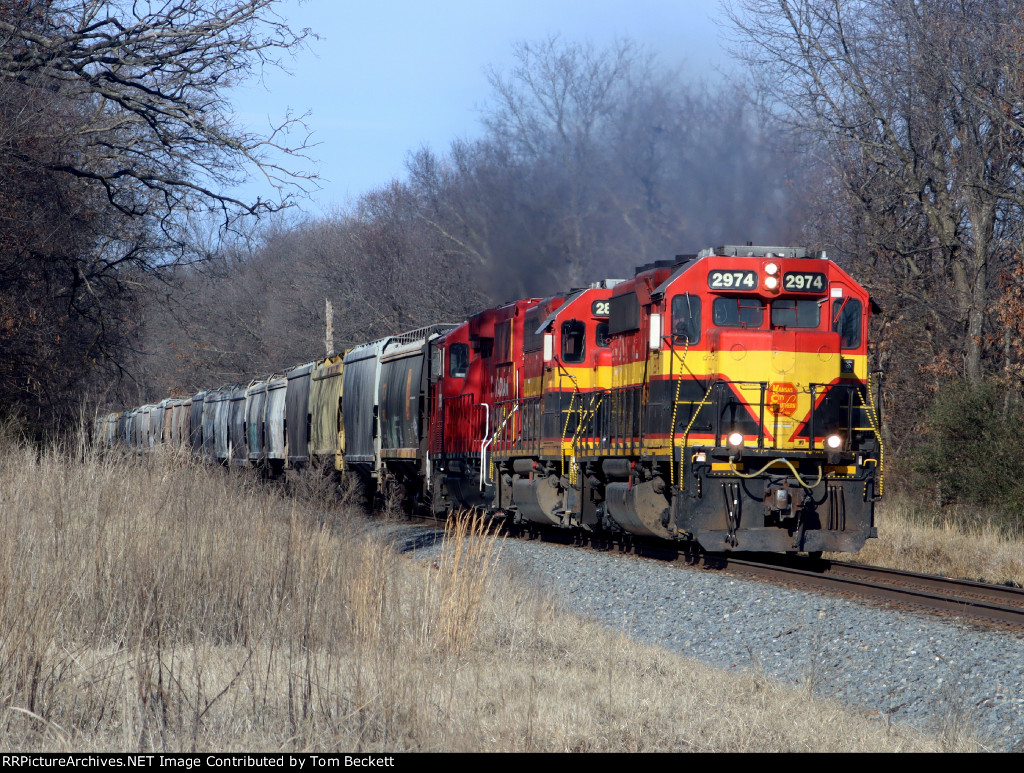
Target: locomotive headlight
[834,442]
[736,439]
[771,282]
[771,269]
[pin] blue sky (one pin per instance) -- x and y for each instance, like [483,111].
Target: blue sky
[389,76]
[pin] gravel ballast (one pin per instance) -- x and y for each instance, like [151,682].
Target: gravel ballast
[907,667]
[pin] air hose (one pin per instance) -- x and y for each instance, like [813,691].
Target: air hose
[786,462]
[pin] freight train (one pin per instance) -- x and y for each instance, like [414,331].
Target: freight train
[722,400]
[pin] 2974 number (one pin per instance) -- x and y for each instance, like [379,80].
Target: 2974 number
[732,280]
[804,282]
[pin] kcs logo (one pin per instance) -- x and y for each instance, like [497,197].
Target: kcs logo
[782,398]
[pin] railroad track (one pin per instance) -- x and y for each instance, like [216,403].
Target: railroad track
[980,602]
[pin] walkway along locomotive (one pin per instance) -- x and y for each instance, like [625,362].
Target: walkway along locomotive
[723,399]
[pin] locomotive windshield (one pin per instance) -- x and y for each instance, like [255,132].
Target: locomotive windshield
[785,313]
[738,312]
[788,312]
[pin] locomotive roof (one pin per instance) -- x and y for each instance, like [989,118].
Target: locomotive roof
[758,251]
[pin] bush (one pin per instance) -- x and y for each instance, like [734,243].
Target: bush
[972,448]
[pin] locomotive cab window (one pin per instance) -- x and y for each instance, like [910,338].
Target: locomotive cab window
[574,337]
[846,320]
[686,319]
[458,360]
[792,313]
[602,338]
[738,312]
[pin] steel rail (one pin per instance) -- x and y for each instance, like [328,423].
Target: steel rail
[1005,594]
[964,598]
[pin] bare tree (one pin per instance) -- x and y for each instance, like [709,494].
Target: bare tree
[115,133]
[556,103]
[155,130]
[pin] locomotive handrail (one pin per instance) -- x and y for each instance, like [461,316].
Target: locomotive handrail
[675,409]
[529,434]
[586,417]
[717,386]
[851,390]
[565,429]
[686,434]
[483,448]
[869,409]
[484,441]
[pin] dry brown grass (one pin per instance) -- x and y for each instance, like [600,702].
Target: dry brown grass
[955,544]
[156,605]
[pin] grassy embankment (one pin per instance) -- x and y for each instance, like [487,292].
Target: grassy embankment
[961,542]
[157,605]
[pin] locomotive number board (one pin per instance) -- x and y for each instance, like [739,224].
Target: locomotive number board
[732,280]
[804,282]
[600,308]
